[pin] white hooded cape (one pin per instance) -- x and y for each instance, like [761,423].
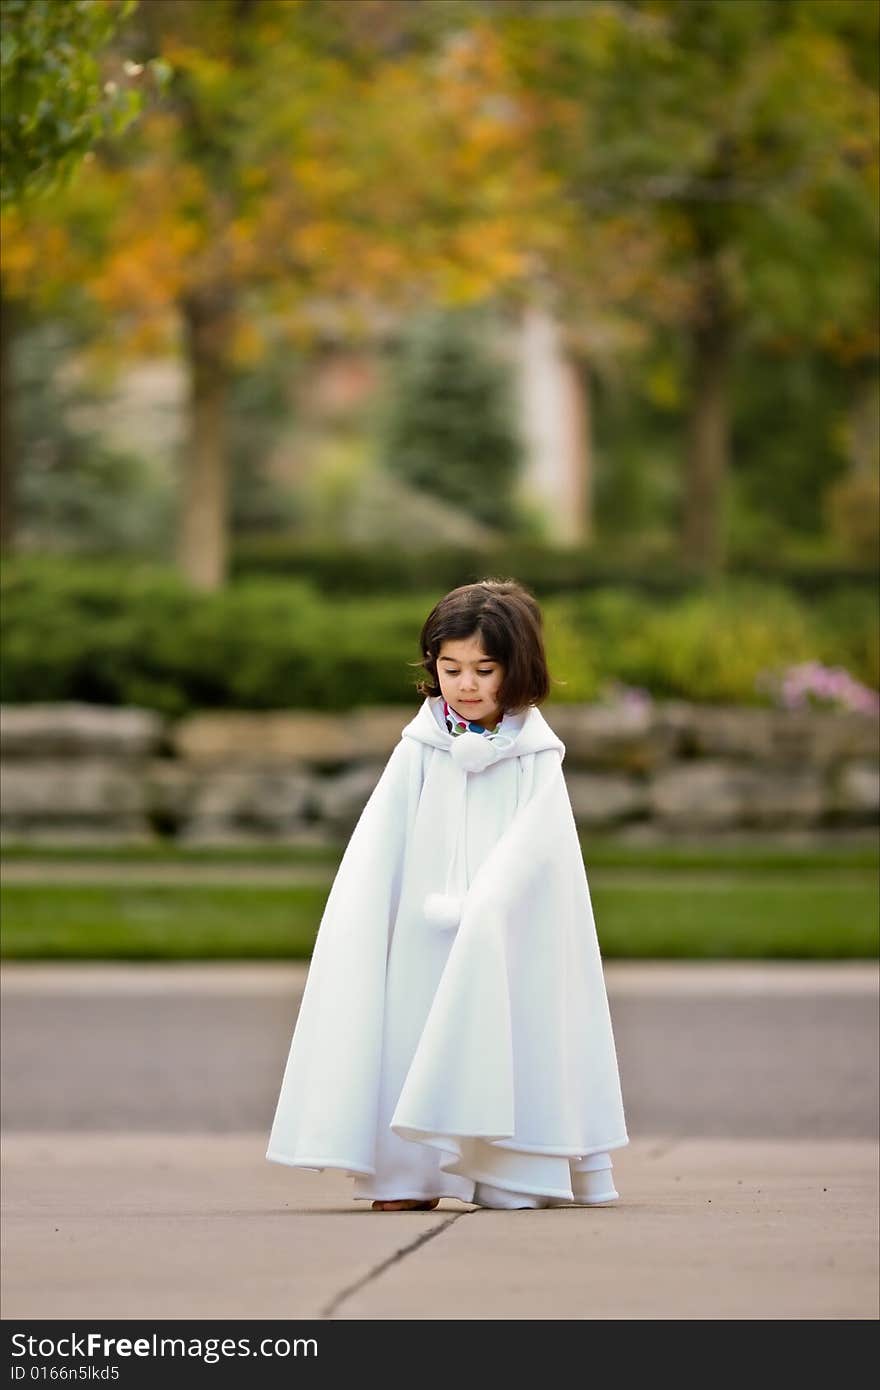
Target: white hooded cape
[428,1058]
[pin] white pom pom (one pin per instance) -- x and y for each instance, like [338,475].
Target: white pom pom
[472,752]
[442,910]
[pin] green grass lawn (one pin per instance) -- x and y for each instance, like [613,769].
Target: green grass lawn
[161,853]
[600,850]
[647,904]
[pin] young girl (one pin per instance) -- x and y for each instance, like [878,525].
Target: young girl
[454,1038]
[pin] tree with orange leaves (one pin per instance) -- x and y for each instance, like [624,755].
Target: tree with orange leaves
[304,154]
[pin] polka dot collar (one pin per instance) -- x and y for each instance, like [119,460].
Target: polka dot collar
[457,724]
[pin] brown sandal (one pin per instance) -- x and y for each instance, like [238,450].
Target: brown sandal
[406,1204]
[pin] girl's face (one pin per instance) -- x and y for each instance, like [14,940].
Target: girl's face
[470,680]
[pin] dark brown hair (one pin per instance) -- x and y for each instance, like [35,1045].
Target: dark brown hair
[508,620]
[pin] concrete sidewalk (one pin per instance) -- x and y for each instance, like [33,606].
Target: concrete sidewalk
[170,1226]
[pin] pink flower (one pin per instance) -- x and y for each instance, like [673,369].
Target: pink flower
[810,684]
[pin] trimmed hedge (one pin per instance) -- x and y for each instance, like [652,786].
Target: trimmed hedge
[543,568]
[101,633]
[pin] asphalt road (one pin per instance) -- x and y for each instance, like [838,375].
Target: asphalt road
[747,1051]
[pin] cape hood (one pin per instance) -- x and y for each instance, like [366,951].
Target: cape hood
[523,732]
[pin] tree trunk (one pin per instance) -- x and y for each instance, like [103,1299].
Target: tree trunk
[708,444]
[8,440]
[202,544]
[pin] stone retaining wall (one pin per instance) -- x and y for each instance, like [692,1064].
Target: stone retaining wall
[88,774]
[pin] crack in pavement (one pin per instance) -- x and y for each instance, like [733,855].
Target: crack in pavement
[373,1274]
[331,1309]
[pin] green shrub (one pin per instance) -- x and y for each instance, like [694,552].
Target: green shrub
[850,631]
[545,568]
[107,635]
[711,646]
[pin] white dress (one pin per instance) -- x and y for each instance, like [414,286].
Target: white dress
[454,1038]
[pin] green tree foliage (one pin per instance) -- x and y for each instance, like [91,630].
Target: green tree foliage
[55,101]
[450,425]
[79,493]
[718,166]
[695,172]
